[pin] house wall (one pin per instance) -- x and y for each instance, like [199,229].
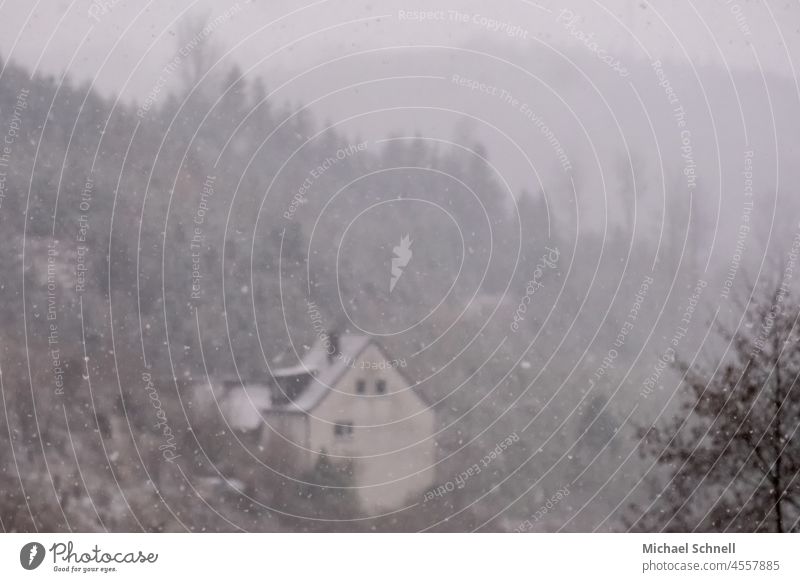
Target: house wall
[391,447]
[286,438]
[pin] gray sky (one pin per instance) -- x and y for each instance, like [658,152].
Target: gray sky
[129,42]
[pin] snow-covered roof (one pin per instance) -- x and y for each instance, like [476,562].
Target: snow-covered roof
[292,371]
[328,371]
[316,375]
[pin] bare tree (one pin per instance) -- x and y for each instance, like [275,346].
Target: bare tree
[733,453]
[196,48]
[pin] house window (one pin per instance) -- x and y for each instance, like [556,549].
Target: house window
[104,425]
[343,429]
[380,386]
[361,386]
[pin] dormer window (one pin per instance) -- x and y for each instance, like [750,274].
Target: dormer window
[343,429]
[380,386]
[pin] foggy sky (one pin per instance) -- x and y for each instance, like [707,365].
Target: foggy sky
[132,40]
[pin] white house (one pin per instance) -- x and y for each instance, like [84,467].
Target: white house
[346,398]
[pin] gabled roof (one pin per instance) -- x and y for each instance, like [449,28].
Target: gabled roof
[316,375]
[324,371]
